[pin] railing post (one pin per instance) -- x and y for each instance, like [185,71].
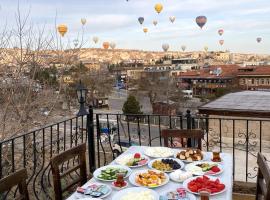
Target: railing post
[189,122]
[91,140]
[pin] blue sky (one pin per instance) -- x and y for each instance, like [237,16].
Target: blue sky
[116,20]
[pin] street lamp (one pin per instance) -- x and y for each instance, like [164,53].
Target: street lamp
[81,96]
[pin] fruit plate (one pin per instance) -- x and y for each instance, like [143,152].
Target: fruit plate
[177,161]
[159,152]
[187,161]
[98,172]
[198,171]
[133,178]
[186,183]
[126,158]
[130,193]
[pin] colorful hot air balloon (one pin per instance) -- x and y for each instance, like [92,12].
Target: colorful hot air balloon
[145,30]
[205,48]
[155,22]
[83,21]
[141,20]
[158,7]
[112,45]
[221,42]
[220,32]
[201,21]
[62,29]
[259,39]
[172,19]
[76,42]
[165,47]
[95,39]
[183,47]
[106,45]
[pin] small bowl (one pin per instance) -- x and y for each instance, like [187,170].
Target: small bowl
[119,188]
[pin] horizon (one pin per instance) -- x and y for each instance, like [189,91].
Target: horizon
[242,20]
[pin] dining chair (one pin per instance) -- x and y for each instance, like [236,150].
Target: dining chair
[61,176]
[17,178]
[263,179]
[196,134]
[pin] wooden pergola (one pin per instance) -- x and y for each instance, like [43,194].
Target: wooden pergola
[240,104]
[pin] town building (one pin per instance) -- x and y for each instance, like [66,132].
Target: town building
[254,78]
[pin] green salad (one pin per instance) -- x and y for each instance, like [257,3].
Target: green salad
[110,173]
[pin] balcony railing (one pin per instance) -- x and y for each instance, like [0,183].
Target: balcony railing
[107,133]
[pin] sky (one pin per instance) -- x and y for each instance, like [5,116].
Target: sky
[117,21]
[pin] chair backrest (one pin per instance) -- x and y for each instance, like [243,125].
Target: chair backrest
[196,134]
[16,179]
[263,179]
[60,159]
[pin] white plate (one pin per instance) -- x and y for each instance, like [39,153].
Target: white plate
[186,161]
[133,176]
[119,195]
[98,171]
[185,184]
[89,198]
[103,196]
[189,167]
[179,171]
[159,152]
[189,195]
[117,160]
[176,160]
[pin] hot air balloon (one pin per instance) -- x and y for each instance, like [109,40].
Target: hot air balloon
[183,47]
[220,32]
[155,22]
[172,19]
[221,42]
[83,21]
[106,45]
[165,47]
[95,39]
[205,48]
[259,39]
[76,42]
[201,21]
[145,30]
[62,29]
[141,20]
[158,7]
[112,45]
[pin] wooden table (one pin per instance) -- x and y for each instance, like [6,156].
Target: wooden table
[226,177]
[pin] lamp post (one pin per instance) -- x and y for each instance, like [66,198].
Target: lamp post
[81,96]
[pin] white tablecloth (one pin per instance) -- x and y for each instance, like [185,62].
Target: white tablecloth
[226,177]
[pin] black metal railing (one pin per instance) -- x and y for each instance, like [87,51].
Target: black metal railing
[33,151]
[107,133]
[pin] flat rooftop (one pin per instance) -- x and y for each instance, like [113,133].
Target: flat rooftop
[245,103]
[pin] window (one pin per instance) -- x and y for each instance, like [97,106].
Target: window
[262,81]
[252,81]
[257,81]
[242,81]
[267,81]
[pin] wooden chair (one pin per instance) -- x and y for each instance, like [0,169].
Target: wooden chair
[17,178]
[196,134]
[263,179]
[60,159]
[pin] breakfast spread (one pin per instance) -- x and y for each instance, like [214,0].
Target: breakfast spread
[110,173]
[204,182]
[166,164]
[150,178]
[132,160]
[159,152]
[190,155]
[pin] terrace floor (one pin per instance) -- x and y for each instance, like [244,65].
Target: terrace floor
[237,196]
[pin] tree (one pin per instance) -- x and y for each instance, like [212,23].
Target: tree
[131,106]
